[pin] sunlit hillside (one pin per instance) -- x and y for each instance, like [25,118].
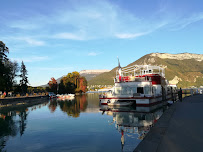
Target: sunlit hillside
[184,69]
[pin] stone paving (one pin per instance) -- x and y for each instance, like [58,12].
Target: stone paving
[180,129]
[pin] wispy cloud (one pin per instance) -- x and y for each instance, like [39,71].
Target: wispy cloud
[31,59]
[94,53]
[129,35]
[24,25]
[33,42]
[28,40]
[96,20]
[70,36]
[183,22]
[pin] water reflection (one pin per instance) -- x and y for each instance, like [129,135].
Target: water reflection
[129,121]
[13,120]
[60,125]
[71,107]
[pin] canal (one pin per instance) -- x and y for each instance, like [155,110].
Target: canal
[78,125]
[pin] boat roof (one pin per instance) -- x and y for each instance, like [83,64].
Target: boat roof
[140,70]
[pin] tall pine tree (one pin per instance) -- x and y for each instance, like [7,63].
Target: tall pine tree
[3,59]
[24,78]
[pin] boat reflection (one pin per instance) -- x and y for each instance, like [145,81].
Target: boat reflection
[129,121]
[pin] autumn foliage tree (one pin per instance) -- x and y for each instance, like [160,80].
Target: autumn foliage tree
[73,83]
[53,85]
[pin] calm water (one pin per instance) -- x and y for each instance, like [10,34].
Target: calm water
[79,125]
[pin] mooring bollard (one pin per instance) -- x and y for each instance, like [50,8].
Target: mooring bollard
[180,95]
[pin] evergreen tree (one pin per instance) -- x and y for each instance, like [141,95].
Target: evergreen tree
[3,59]
[24,78]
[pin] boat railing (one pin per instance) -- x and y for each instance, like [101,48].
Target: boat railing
[140,70]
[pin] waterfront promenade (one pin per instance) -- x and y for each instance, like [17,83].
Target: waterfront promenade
[180,129]
[13,101]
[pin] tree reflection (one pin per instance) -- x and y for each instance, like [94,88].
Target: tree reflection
[22,121]
[74,107]
[12,122]
[52,105]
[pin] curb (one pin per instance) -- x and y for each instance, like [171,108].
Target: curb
[154,137]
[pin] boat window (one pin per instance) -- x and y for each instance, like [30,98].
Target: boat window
[140,90]
[147,90]
[124,90]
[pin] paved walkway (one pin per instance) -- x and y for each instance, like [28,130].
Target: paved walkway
[180,129]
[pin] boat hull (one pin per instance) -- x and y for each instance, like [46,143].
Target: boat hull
[138,101]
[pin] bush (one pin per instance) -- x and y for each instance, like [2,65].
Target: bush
[3,96]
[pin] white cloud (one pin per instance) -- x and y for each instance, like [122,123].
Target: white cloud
[24,25]
[94,53]
[92,20]
[129,36]
[31,59]
[68,36]
[30,41]
[33,42]
[96,20]
[183,22]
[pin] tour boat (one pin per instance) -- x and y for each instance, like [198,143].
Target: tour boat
[141,85]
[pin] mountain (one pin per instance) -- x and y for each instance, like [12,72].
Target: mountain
[183,69]
[90,74]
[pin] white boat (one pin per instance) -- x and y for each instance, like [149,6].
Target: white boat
[143,85]
[66,97]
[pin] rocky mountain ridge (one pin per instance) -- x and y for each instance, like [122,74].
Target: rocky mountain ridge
[181,56]
[184,70]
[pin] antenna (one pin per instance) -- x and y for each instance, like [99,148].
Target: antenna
[119,66]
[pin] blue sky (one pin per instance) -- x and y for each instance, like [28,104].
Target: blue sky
[54,38]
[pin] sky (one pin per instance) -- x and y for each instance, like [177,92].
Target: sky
[54,38]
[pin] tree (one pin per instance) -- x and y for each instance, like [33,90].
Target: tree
[24,78]
[82,84]
[3,51]
[62,88]
[3,58]
[73,83]
[11,70]
[53,85]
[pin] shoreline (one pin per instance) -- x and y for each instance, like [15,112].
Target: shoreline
[159,138]
[16,101]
